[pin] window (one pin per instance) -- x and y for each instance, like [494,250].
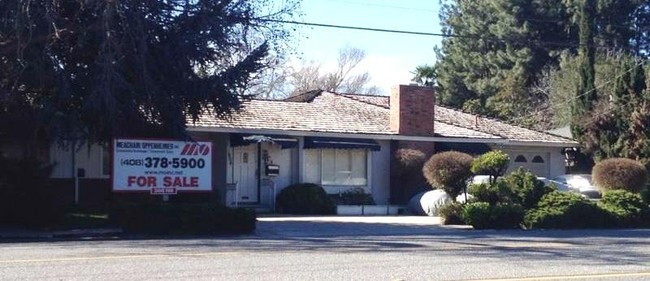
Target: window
[538,159]
[346,167]
[521,158]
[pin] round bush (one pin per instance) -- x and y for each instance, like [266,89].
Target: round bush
[304,198]
[406,174]
[448,171]
[626,208]
[565,210]
[620,173]
[408,160]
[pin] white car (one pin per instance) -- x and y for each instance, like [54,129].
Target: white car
[580,183]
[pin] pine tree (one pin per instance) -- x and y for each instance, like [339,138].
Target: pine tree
[98,69]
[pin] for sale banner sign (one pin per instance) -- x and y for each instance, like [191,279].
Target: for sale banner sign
[161,166]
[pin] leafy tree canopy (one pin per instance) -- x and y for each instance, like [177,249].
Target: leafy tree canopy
[98,69]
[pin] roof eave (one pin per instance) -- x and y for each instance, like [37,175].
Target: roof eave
[542,143]
[341,134]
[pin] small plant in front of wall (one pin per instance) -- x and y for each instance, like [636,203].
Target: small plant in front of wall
[354,196]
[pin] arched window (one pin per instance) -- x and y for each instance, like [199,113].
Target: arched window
[521,159]
[538,159]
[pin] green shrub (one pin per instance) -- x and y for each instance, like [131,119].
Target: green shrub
[507,215]
[305,198]
[451,213]
[448,171]
[493,163]
[492,194]
[626,208]
[620,173]
[354,196]
[565,210]
[406,173]
[525,188]
[645,194]
[26,197]
[482,215]
[182,218]
[477,214]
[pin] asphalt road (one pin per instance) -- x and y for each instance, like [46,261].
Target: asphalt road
[342,249]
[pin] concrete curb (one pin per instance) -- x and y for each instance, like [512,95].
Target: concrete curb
[26,234]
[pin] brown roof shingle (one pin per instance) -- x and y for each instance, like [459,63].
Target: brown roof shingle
[321,111]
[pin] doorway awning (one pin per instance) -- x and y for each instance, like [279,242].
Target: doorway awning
[341,143]
[247,139]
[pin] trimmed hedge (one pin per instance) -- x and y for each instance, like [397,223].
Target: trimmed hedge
[354,196]
[482,215]
[448,171]
[182,218]
[626,208]
[452,213]
[566,210]
[305,199]
[620,173]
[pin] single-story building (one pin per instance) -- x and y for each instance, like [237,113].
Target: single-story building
[333,139]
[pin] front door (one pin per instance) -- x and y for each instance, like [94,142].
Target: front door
[246,174]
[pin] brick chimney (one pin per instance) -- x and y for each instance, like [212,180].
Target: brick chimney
[412,110]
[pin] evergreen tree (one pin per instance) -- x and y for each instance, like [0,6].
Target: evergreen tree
[496,50]
[618,124]
[495,41]
[98,69]
[585,94]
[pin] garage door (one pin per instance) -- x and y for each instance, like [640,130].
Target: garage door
[537,163]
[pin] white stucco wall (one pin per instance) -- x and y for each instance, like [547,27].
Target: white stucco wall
[380,173]
[553,158]
[89,158]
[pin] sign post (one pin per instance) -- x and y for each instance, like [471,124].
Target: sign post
[161,167]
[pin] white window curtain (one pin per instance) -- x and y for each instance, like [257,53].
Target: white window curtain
[339,167]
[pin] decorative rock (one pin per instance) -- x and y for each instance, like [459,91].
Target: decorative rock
[428,203]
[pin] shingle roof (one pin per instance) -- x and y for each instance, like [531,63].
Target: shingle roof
[326,112]
[320,111]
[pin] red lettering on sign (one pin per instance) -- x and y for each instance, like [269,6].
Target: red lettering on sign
[141,181]
[194,149]
[181,182]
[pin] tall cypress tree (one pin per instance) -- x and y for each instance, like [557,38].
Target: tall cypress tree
[586,95]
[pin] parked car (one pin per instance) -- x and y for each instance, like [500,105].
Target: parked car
[580,183]
[478,179]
